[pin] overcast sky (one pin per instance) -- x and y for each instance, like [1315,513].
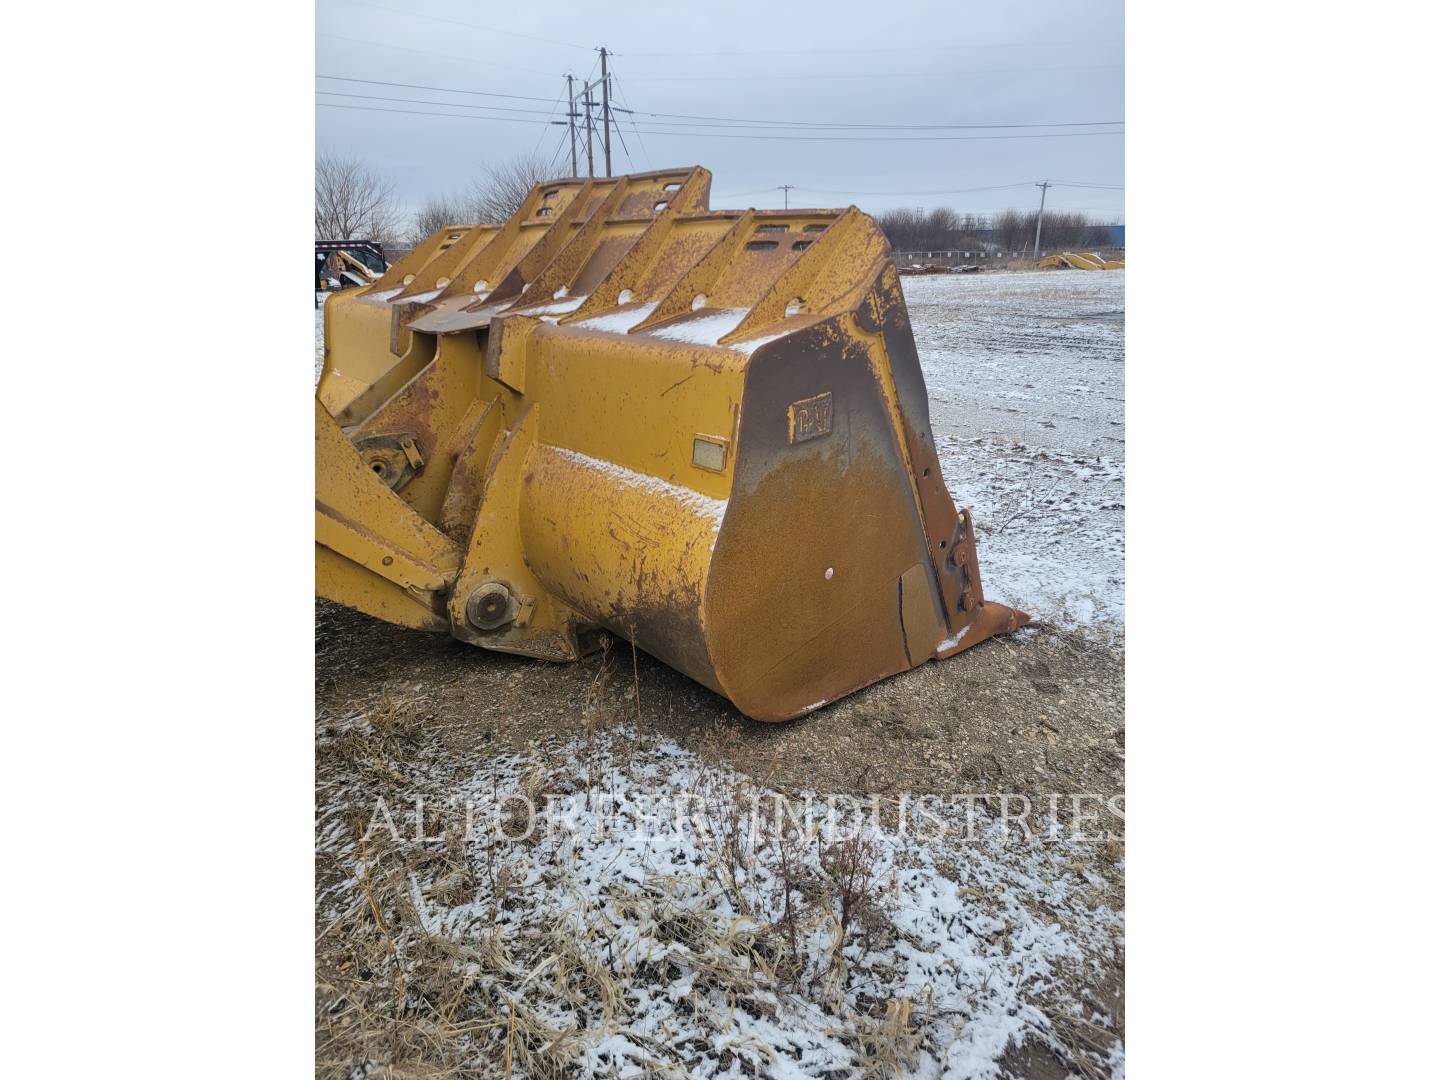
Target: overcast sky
[741,67]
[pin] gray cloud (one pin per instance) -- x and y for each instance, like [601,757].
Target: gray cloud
[889,62]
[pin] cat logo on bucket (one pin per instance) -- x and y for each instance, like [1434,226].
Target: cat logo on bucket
[810,418]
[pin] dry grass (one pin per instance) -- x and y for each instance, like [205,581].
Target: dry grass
[523,992]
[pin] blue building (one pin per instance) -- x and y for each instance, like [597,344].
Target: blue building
[1116,237]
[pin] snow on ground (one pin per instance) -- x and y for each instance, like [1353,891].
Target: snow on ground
[1026,376]
[656,921]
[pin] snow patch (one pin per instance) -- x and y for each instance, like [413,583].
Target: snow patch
[652,485]
[705,329]
[951,642]
[616,322]
[634,871]
[1026,378]
[557,307]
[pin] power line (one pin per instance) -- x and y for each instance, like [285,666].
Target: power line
[873,74]
[878,138]
[620,90]
[620,132]
[551,119]
[959,191]
[448,104]
[746,120]
[663,123]
[411,112]
[623,146]
[882,49]
[559,150]
[824,125]
[809,125]
[441,89]
[742,194]
[725,135]
[1067,210]
[952,191]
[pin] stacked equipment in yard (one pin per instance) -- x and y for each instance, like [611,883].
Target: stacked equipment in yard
[1071,260]
[344,264]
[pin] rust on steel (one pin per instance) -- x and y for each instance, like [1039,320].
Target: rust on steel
[705,431]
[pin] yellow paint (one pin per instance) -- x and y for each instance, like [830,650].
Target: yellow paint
[1081,261]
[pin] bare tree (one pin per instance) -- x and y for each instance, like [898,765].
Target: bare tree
[437,212]
[904,228]
[352,202]
[943,227]
[504,187]
[1009,230]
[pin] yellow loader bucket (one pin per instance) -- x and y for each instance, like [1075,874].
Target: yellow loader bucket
[1081,261]
[705,431]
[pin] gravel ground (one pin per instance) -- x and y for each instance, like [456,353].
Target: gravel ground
[1034,357]
[1026,374]
[1026,377]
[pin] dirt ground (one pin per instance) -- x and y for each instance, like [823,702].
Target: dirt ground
[1026,379]
[1038,712]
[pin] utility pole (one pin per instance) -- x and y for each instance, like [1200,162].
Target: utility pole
[787,188]
[1041,216]
[571,114]
[589,132]
[605,106]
